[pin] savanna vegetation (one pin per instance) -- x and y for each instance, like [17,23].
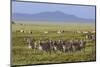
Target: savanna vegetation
[22,55]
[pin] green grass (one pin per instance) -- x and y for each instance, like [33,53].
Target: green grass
[21,55]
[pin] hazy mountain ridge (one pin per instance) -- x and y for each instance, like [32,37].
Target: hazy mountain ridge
[56,16]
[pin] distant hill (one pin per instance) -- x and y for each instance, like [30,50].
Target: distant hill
[49,16]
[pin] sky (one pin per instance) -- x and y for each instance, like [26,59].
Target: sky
[87,12]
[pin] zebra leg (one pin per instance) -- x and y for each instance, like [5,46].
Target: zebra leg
[73,48]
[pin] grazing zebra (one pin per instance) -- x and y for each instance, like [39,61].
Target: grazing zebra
[30,32]
[58,45]
[55,45]
[82,44]
[90,37]
[78,44]
[31,43]
[93,37]
[67,45]
[45,46]
[51,43]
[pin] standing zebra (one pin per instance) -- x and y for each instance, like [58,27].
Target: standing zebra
[31,43]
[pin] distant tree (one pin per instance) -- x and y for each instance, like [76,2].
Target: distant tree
[13,22]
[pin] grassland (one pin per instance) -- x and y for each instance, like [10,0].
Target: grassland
[21,55]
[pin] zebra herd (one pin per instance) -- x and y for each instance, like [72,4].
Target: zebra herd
[56,45]
[60,45]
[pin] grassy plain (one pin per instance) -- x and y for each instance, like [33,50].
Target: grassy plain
[21,55]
